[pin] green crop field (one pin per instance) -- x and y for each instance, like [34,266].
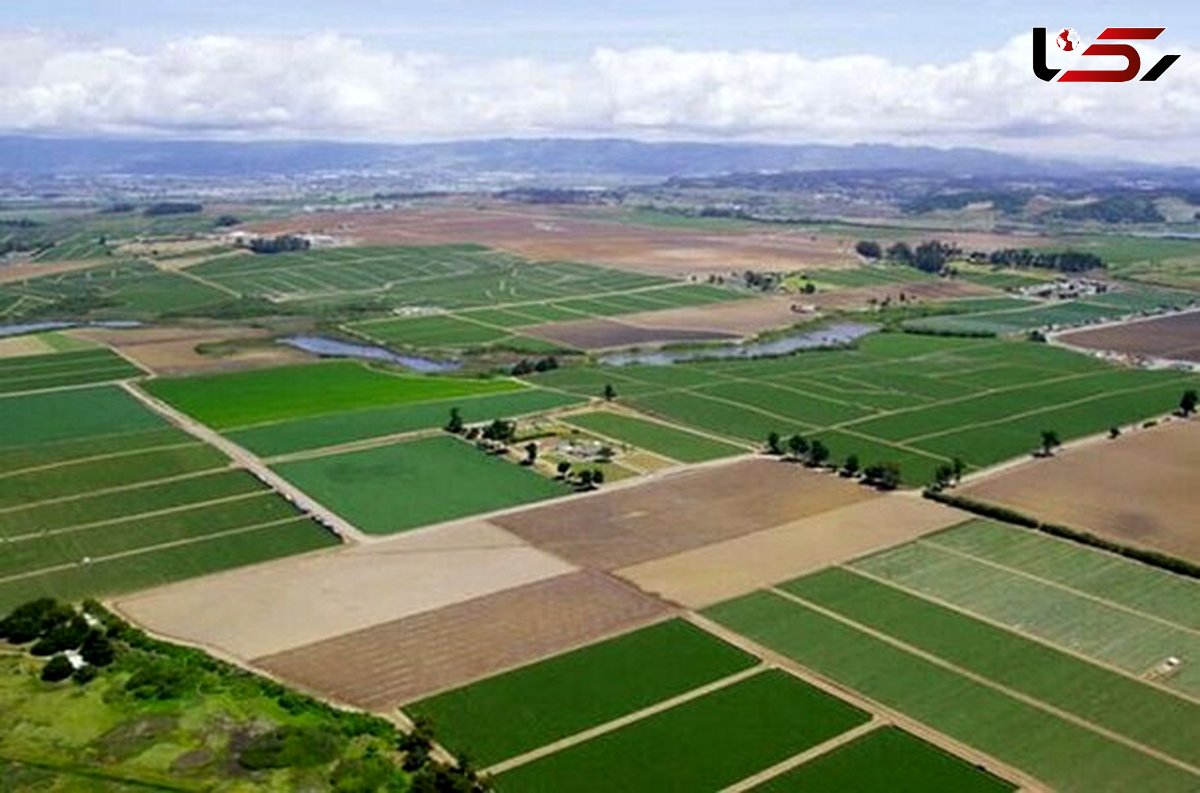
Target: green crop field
[569,693]
[1127,707]
[677,444]
[886,759]
[286,437]
[57,370]
[1111,631]
[242,399]
[1063,754]
[98,495]
[916,400]
[406,485]
[703,744]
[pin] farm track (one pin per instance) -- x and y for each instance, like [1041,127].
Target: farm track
[249,462]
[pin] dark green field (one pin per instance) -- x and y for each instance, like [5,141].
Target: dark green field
[677,444]
[886,760]
[57,370]
[704,744]
[569,693]
[406,485]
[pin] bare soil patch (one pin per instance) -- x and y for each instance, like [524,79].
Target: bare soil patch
[736,317]
[710,574]
[174,350]
[269,608]
[680,511]
[1175,337]
[1139,489]
[387,665]
[18,346]
[598,334]
[19,271]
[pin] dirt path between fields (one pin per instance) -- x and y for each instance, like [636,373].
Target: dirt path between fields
[253,464]
[751,782]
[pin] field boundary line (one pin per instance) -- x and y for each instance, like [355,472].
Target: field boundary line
[140,516]
[751,782]
[341,527]
[118,489]
[4,381]
[637,415]
[950,606]
[885,713]
[96,458]
[1055,585]
[74,387]
[153,548]
[630,718]
[1012,693]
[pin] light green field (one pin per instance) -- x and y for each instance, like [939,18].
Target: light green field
[704,744]
[569,693]
[406,485]
[887,759]
[1102,697]
[318,432]
[919,401]
[1062,754]
[1109,632]
[61,417]
[676,444]
[242,399]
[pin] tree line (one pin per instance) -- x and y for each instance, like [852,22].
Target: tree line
[935,256]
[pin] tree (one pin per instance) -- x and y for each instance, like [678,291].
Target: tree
[563,469]
[943,476]
[1050,442]
[97,650]
[455,424]
[818,453]
[1187,402]
[610,393]
[586,477]
[500,430]
[797,446]
[1114,432]
[959,467]
[868,249]
[56,669]
[885,476]
[851,466]
[774,444]
[531,453]
[597,477]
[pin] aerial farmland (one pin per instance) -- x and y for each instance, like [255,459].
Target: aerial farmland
[594,498]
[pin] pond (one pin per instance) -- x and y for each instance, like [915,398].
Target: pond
[832,336]
[335,348]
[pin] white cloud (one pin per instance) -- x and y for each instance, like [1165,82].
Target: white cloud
[329,86]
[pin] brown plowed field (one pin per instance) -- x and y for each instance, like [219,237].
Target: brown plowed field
[382,667]
[1176,337]
[173,350]
[681,511]
[1139,489]
[598,334]
[724,570]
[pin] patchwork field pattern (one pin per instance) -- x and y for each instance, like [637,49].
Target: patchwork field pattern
[1175,337]
[897,628]
[58,370]
[917,401]
[401,486]
[99,496]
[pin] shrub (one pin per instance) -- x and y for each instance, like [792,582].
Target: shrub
[56,669]
[366,775]
[97,650]
[85,674]
[161,678]
[66,635]
[290,747]
[34,619]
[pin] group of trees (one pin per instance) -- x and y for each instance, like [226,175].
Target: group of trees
[934,256]
[526,366]
[815,454]
[164,208]
[1063,261]
[931,256]
[284,243]
[55,629]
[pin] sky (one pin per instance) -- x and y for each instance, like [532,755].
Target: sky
[934,73]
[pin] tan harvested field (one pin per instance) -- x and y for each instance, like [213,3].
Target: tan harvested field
[680,511]
[173,350]
[561,233]
[707,575]
[19,271]
[270,608]
[385,666]
[1176,337]
[598,334]
[921,290]
[1138,489]
[18,346]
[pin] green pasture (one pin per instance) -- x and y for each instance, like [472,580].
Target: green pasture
[676,444]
